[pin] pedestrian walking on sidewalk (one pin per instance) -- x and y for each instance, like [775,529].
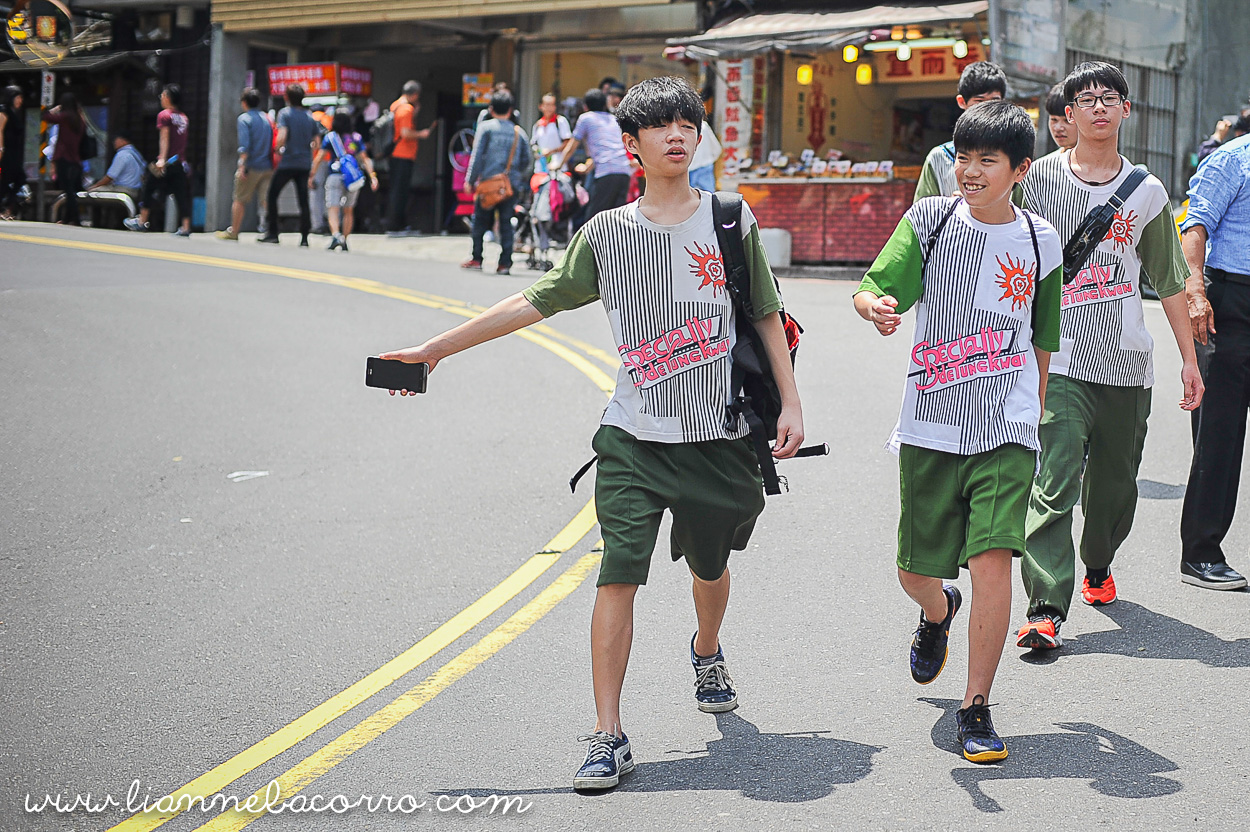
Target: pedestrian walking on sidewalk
[501,155]
[338,144]
[66,156]
[1215,238]
[12,150]
[298,136]
[255,168]
[168,174]
[406,136]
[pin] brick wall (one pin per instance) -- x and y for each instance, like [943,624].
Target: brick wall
[831,222]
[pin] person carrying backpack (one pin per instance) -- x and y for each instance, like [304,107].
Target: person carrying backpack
[667,440]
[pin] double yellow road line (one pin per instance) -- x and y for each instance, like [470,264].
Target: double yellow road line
[307,770]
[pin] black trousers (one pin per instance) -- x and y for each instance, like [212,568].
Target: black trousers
[609,192]
[281,176]
[69,180]
[1220,424]
[400,185]
[156,189]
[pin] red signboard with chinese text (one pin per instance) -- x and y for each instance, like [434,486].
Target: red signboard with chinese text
[321,79]
[925,64]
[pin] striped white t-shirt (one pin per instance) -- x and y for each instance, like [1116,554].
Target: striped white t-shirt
[972,380]
[938,176]
[663,287]
[1104,336]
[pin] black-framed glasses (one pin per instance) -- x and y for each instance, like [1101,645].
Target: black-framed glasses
[1086,100]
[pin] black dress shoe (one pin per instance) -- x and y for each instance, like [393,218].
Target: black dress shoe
[1211,575]
[268,238]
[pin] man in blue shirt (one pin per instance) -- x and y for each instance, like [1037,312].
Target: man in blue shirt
[298,133]
[597,128]
[255,170]
[125,173]
[1215,238]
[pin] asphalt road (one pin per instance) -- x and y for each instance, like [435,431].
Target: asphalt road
[166,623]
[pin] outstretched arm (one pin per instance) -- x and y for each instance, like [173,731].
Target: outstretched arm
[790,422]
[507,316]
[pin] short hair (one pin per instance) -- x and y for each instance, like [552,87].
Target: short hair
[174,93]
[251,98]
[501,102]
[295,95]
[656,102]
[607,82]
[1090,74]
[552,96]
[980,78]
[1056,103]
[996,126]
[595,100]
[411,88]
[124,135]
[341,123]
[617,90]
[1242,124]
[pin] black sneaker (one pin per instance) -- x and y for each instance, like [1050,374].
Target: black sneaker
[607,759]
[981,743]
[713,689]
[1211,575]
[268,238]
[928,646]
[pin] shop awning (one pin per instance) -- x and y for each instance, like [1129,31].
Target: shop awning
[759,33]
[81,63]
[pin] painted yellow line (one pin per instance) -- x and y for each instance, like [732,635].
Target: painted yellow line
[322,760]
[286,737]
[546,340]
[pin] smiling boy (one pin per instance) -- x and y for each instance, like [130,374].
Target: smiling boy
[665,441]
[985,280]
[1099,389]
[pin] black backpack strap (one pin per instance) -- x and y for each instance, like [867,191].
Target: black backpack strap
[581,472]
[937,231]
[1090,233]
[1122,193]
[727,216]
[1037,259]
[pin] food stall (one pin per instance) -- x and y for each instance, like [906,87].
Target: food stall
[826,117]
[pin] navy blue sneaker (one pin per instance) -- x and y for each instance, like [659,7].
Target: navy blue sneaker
[928,646]
[713,689]
[607,759]
[981,743]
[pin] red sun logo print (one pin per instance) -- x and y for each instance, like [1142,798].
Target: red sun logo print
[709,267]
[1121,231]
[1015,282]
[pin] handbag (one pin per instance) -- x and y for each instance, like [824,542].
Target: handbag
[349,168]
[494,190]
[1093,229]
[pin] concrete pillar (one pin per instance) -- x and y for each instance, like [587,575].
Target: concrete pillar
[527,91]
[228,73]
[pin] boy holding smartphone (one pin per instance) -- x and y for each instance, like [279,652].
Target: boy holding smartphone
[664,441]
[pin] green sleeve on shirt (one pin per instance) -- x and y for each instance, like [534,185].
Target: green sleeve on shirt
[1161,256]
[764,295]
[928,184]
[897,269]
[1046,318]
[574,283]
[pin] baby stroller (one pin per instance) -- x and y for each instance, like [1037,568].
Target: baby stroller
[550,217]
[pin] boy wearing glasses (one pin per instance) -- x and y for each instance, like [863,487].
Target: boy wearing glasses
[1098,393]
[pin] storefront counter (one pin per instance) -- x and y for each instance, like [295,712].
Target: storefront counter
[830,220]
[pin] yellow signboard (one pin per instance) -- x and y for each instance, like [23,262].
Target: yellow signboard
[477,89]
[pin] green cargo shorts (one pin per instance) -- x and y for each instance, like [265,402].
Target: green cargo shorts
[713,490]
[955,507]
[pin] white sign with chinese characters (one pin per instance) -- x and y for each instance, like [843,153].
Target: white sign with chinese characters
[734,88]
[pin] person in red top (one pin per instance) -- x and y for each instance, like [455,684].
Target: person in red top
[65,156]
[404,156]
[170,169]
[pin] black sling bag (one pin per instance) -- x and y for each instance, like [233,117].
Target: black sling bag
[1093,229]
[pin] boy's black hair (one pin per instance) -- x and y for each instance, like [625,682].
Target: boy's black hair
[1056,103]
[251,98]
[1242,124]
[596,100]
[341,123]
[982,77]
[996,125]
[1092,74]
[656,102]
[501,102]
[295,95]
[175,94]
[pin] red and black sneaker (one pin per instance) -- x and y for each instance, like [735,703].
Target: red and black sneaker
[1041,632]
[1098,593]
[476,265]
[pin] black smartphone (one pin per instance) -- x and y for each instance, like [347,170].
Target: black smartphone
[396,375]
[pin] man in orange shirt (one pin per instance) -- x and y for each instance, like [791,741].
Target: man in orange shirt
[404,156]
